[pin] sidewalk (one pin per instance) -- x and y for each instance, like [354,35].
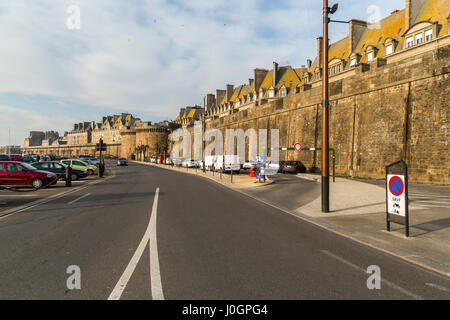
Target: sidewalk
[358,210]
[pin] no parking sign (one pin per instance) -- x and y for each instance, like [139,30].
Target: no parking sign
[397,195]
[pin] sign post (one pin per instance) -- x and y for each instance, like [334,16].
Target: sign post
[260,163]
[101,167]
[397,195]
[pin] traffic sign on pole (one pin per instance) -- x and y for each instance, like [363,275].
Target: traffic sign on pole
[397,195]
[298,146]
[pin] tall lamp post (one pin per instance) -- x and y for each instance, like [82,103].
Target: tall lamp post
[325,104]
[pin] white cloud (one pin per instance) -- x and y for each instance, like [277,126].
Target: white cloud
[149,55]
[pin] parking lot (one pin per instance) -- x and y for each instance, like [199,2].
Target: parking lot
[26,197]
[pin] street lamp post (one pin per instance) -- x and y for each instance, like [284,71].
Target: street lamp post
[325,106]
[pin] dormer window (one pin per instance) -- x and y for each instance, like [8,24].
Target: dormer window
[370,56]
[271,92]
[261,94]
[409,42]
[283,92]
[389,49]
[353,62]
[429,35]
[419,38]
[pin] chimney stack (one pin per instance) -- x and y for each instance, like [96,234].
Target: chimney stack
[309,63]
[230,89]
[210,101]
[220,94]
[412,8]
[356,30]
[274,74]
[319,51]
[260,75]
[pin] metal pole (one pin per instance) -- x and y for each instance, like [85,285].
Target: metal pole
[325,104]
[231,175]
[203,142]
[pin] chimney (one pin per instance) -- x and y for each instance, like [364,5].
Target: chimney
[319,50]
[230,89]
[412,8]
[220,94]
[274,74]
[309,63]
[210,101]
[260,75]
[356,30]
[250,83]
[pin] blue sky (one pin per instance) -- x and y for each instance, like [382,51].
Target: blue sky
[147,57]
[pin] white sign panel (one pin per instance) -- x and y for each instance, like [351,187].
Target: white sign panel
[396,199]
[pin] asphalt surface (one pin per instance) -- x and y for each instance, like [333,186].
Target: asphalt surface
[212,243]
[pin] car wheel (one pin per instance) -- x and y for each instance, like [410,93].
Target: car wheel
[90,172]
[74,177]
[37,183]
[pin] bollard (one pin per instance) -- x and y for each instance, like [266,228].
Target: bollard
[68,176]
[101,170]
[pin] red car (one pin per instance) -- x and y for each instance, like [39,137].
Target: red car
[15,157]
[21,173]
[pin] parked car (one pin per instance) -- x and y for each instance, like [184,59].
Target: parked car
[16,157]
[28,159]
[249,165]
[82,165]
[169,161]
[60,169]
[90,159]
[189,163]
[274,165]
[21,173]
[177,161]
[4,157]
[292,167]
[122,162]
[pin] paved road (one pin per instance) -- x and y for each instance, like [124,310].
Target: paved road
[206,242]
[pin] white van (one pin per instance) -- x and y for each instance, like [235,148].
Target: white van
[209,162]
[228,163]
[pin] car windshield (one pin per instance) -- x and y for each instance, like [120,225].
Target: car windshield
[291,163]
[28,166]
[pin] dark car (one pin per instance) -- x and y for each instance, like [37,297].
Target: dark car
[21,173]
[28,159]
[292,167]
[122,162]
[59,169]
[4,157]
